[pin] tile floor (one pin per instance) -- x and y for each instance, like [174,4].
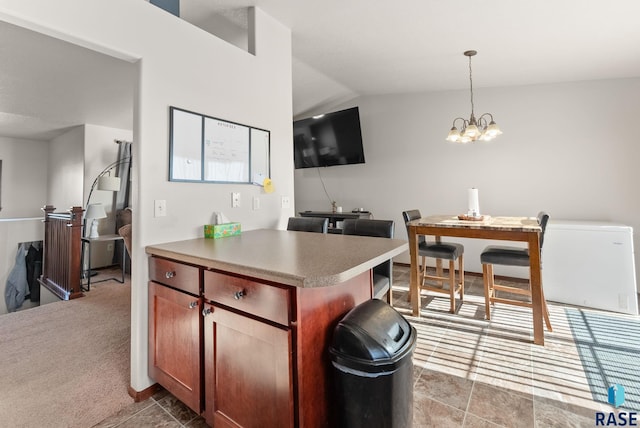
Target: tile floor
[467,372]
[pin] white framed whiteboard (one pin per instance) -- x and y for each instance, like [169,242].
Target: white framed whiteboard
[213,150]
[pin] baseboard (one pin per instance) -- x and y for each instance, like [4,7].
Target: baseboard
[144,394]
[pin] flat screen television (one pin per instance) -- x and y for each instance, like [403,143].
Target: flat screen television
[327,140]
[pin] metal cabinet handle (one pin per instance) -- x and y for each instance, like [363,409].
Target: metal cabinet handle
[239,294]
[193,305]
[206,311]
[169,274]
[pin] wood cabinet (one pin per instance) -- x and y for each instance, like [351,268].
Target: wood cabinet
[247,366]
[175,331]
[245,352]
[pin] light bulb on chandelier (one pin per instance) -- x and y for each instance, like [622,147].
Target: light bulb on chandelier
[473,129]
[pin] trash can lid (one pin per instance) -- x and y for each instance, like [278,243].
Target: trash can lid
[373,331]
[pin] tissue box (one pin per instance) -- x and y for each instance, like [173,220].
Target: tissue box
[217,231]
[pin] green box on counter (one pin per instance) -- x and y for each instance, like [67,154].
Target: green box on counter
[223,230]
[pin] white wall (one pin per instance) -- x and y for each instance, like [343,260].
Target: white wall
[568,148]
[24,177]
[100,151]
[183,66]
[66,166]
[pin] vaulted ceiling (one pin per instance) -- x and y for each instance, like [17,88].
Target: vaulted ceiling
[48,86]
[341,49]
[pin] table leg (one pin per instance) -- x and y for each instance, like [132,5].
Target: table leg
[83,272]
[89,268]
[414,288]
[124,250]
[536,288]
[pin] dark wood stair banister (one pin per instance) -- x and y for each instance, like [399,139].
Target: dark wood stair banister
[61,270]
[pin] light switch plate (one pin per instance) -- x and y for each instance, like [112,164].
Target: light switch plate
[159,208]
[256,203]
[235,199]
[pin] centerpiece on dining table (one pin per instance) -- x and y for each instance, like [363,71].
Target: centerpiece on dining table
[473,204]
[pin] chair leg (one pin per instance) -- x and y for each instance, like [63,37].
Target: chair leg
[546,316]
[492,283]
[461,274]
[439,269]
[545,308]
[487,291]
[422,271]
[546,312]
[452,286]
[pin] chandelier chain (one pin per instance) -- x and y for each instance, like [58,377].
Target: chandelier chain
[471,85]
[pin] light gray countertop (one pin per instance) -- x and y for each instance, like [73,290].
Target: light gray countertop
[301,259]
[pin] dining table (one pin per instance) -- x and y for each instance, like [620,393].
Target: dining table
[523,229]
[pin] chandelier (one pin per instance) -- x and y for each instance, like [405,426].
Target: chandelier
[473,129]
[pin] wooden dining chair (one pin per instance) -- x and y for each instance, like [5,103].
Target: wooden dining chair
[308,224]
[440,251]
[510,256]
[383,273]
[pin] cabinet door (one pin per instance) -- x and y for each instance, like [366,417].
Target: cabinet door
[175,328]
[248,374]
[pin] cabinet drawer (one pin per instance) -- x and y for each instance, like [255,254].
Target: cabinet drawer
[174,274]
[262,300]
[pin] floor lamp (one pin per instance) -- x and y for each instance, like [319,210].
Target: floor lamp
[104,181]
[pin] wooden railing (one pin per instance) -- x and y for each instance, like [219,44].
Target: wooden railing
[62,252]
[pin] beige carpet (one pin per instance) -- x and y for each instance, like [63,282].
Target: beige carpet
[66,364]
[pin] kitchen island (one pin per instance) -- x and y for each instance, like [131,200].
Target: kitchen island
[239,327]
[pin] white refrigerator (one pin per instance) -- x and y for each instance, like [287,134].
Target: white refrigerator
[591,264]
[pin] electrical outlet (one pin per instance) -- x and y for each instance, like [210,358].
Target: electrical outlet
[285,202]
[159,208]
[256,203]
[235,199]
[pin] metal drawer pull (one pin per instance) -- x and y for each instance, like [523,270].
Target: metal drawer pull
[239,294]
[169,274]
[193,305]
[206,311]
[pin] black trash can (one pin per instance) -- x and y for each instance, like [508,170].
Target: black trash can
[371,355]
